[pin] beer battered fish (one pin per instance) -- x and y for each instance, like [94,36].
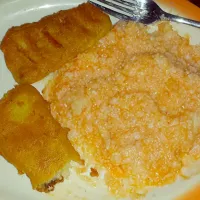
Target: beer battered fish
[34,50]
[32,140]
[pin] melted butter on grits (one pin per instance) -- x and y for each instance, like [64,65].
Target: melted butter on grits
[132,104]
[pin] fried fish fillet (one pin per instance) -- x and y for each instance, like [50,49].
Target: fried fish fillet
[34,50]
[31,139]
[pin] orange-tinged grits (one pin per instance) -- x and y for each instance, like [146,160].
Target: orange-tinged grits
[132,106]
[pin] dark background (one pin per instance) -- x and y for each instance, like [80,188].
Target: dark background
[196,2]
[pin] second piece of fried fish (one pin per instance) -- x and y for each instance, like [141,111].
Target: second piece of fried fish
[32,140]
[34,50]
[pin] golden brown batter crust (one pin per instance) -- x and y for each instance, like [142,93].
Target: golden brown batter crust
[31,139]
[34,50]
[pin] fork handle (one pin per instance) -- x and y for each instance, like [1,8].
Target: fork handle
[182,20]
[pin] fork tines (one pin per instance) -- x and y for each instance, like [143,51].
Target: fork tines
[117,8]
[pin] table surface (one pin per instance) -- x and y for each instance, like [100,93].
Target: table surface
[196,2]
[187,8]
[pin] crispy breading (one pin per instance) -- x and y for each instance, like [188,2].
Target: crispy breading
[31,139]
[34,50]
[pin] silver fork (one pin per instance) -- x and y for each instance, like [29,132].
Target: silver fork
[143,11]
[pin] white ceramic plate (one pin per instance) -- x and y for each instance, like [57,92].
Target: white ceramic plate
[16,187]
